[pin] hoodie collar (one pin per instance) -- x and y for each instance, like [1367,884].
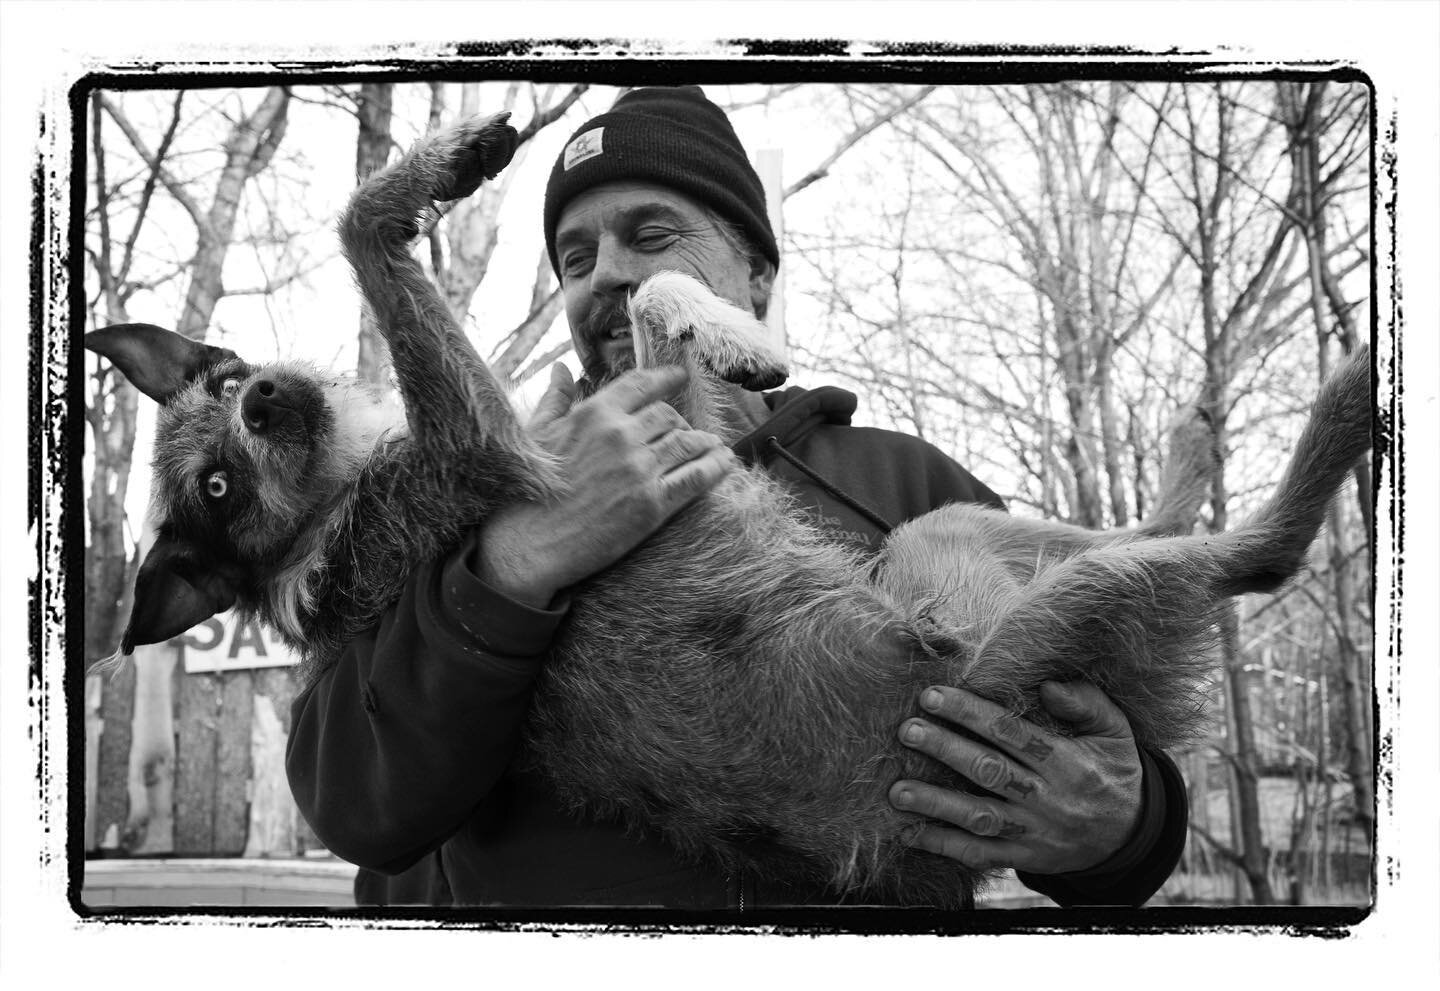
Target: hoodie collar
[795,414]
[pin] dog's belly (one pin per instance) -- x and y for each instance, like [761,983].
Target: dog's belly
[738,680]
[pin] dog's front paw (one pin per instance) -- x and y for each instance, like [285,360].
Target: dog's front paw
[677,309]
[754,370]
[470,153]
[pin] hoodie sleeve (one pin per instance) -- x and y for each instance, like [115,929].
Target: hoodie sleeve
[1136,871]
[396,744]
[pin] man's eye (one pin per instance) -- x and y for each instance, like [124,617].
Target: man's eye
[229,386]
[653,237]
[217,484]
[576,263]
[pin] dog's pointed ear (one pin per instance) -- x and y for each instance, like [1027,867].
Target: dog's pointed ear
[158,362]
[174,591]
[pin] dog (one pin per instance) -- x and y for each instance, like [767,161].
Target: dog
[735,683]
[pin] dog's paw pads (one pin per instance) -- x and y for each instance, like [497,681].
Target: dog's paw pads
[474,151]
[754,375]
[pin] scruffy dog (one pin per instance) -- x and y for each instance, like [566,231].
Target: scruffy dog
[735,683]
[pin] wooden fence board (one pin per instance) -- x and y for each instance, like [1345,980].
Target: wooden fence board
[232,800]
[213,764]
[229,735]
[195,766]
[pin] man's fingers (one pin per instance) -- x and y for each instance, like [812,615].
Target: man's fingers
[976,852]
[640,387]
[697,475]
[1021,739]
[558,398]
[1086,708]
[658,420]
[979,816]
[982,765]
[676,447]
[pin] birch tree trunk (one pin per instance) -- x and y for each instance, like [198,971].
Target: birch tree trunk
[372,151]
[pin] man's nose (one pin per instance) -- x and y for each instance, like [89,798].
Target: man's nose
[617,272]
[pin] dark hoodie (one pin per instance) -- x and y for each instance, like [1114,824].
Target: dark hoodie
[399,755]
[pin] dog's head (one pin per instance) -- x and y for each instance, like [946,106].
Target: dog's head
[245,458]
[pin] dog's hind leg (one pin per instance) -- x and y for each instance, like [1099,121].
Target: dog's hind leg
[1189,467]
[1133,616]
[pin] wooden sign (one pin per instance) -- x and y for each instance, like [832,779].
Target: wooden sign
[224,643]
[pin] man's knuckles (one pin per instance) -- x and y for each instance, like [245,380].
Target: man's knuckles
[988,771]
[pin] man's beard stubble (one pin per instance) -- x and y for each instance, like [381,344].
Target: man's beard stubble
[595,329]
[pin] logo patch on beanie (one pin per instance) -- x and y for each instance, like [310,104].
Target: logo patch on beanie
[585,146]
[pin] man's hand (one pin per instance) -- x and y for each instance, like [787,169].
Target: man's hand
[630,463]
[1064,803]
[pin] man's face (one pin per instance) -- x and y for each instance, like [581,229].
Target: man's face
[611,238]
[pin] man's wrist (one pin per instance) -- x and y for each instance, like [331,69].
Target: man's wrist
[500,563]
[1138,869]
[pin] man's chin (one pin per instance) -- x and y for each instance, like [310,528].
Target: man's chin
[600,372]
[610,364]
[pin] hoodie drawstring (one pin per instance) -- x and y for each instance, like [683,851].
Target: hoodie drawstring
[775,447]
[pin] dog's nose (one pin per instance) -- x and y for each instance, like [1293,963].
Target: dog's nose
[264,406]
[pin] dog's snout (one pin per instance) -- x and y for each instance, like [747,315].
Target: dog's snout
[264,406]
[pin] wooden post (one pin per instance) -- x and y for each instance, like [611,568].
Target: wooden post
[274,823]
[150,825]
[767,164]
[94,727]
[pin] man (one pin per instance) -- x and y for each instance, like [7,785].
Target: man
[400,755]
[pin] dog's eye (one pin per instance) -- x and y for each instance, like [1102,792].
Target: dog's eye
[217,485]
[229,386]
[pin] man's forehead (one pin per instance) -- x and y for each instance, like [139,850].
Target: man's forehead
[616,202]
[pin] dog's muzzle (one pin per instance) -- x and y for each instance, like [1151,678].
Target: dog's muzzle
[265,406]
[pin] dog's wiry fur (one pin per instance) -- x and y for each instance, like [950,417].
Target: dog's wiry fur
[736,682]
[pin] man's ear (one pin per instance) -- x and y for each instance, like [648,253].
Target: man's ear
[158,362]
[762,280]
[174,591]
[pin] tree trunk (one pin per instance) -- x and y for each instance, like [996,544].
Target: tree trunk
[1300,106]
[248,149]
[1245,831]
[546,302]
[372,151]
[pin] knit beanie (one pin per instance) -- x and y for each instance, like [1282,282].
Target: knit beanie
[673,137]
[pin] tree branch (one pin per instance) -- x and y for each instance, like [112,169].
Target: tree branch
[823,169]
[172,185]
[1222,849]
[544,118]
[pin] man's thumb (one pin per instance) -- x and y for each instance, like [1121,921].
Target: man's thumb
[1086,708]
[558,398]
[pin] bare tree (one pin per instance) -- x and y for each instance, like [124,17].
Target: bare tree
[142,705]
[372,151]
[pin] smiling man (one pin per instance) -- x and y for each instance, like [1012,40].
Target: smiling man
[407,743]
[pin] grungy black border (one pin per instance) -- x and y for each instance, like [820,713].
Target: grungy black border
[56,604]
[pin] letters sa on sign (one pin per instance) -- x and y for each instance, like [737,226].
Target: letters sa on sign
[224,643]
